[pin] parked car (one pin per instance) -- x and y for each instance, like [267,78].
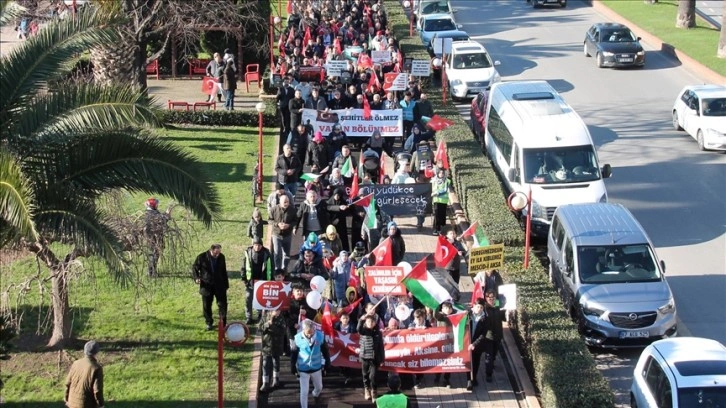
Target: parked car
[700,110]
[477,114]
[427,7]
[609,277]
[538,3]
[434,24]
[613,45]
[680,372]
[470,70]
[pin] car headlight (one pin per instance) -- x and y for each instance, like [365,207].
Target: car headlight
[538,211]
[607,54]
[641,53]
[603,198]
[456,82]
[589,309]
[495,78]
[668,308]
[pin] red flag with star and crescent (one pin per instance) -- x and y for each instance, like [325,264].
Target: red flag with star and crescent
[477,292]
[307,37]
[445,252]
[374,81]
[367,112]
[441,155]
[438,123]
[327,321]
[383,253]
[353,282]
[354,187]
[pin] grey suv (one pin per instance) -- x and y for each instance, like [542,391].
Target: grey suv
[611,282]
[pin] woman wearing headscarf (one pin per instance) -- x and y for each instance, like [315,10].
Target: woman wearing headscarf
[338,212]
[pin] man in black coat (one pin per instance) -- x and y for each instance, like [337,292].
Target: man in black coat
[210,273]
[284,95]
[478,327]
[296,106]
[288,169]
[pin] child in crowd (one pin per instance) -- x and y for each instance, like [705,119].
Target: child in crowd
[273,328]
[340,274]
[447,309]
[345,326]
[255,229]
[371,352]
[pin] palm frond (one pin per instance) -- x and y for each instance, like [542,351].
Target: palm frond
[24,72]
[16,199]
[74,108]
[131,160]
[9,11]
[68,217]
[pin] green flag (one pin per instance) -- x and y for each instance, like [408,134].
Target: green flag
[424,287]
[460,324]
[310,176]
[372,221]
[480,238]
[347,169]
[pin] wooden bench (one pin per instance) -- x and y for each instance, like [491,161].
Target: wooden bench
[178,105]
[208,105]
[153,68]
[198,67]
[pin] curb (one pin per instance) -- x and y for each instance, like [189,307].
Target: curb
[689,63]
[522,384]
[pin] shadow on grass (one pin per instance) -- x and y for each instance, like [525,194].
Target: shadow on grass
[28,340]
[226,172]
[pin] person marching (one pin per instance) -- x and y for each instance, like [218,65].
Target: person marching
[308,357]
[255,266]
[393,398]
[440,186]
[478,331]
[494,332]
[273,328]
[371,352]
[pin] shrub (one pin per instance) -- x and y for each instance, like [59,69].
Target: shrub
[563,368]
[220,117]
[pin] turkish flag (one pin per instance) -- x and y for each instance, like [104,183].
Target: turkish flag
[307,37]
[289,7]
[429,172]
[383,170]
[354,187]
[291,35]
[441,155]
[327,321]
[209,86]
[351,307]
[383,253]
[353,282]
[367,112]
[445,252]
[388,80]
[477,292]
[438,123]
[283,68]
[338,48]
[364,61]
[373,81]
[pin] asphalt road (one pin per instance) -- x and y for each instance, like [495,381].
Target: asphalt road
[675,191]
[711,10]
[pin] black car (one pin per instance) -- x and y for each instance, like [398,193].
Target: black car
[613,45]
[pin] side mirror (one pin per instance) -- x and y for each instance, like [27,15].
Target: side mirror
[638,39]
[459,26]
[497,63]
[454,10]
[512,175]
[607,171]
[566,270]
[662,266]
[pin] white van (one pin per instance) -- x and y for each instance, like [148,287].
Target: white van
[538,142]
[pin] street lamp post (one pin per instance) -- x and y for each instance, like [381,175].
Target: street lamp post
[407,5]
[260,107]
[518,201]
[274,23]
[235,334]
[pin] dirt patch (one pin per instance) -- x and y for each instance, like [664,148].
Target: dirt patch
[8,256]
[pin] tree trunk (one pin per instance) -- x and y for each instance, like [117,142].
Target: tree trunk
[61,309]
[686,16]
[722,38]
[120,63]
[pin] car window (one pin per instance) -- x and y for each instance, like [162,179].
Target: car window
[436,8]
[483,102]
[592,31]
[693,103]
[686,98]
[713,106]
[559,238]
[555,228]
[571,164]
[697,397]
[439,25]
[617,264]
[569,258]
[596,36]
[658,384]
[471,61]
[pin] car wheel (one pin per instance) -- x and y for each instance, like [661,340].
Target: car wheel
[600,62]
[676,125]
[633,404]
[584,50]
[563,4]
[699,139]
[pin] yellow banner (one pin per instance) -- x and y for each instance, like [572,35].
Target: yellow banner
[486,257]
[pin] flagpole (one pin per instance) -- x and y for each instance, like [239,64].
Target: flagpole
[395,286]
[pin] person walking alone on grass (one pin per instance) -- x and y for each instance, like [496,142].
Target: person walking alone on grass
[84,383]
[155,226]
[309,359]
[210,273]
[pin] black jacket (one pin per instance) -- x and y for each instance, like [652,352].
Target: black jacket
[273,335]
[477,335]
[317,104]
[335,214]
[398,247]
[371,342]
[302,215]
[318,155]
[493,322]
[284,163]
[212,279]
[256,265]
[284,95]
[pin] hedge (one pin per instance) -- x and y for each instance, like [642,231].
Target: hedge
[246,118]
[564,370]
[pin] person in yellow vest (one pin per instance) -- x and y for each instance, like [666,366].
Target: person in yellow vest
[393,398]
[440,196]
[255,266]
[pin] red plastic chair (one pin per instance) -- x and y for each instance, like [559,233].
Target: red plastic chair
[252,74]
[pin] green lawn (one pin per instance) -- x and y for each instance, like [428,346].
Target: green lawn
[700,43]
[154,348]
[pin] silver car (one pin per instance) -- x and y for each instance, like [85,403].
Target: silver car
[604,266]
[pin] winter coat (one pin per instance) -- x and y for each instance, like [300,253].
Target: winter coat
[340,274]
[493,323]
[255,229]
[477,333]
[84,384]
[212,276]
[370,343]
[304,210]
[310,355]
[317,154]
[318,104]
[335,214]
[229,79]
[255,265]
[287,163]
[310,268]
[273,335]
[293,314]
[286,215]
[398,247]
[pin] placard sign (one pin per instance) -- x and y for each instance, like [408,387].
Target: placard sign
[335,67]
[400,199]
[384,280]
[442,45]
[421,68]
[486,257]
[381,57]
[277,80]
[309,74]
[415,351]
[271,295]
[394,81]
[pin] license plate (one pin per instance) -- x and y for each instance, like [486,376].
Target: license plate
[626,60]
[634,334]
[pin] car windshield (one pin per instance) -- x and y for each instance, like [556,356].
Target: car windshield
[442,24]
[471,61]
[714,106]
[622,35]
[617,264]
[702,397]
[561,165]
[435,7]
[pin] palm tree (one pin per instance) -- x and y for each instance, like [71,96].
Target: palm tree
[64,144]
[686,16]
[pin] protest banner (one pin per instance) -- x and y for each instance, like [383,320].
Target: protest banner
[384,280]
[400,199]
[486,257]
[415,351]
[271,295]
[381,57]
[309,74]
[335,67]
[394,81]
[389,122]
[421,68]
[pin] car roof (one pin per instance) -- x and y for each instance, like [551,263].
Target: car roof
[439,16]
[468,46]
[593,224]
[692,349]
[616,26]
[710,90]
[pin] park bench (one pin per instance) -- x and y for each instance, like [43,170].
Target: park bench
[198,67]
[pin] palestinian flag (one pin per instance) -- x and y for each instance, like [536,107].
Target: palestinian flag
[425,287]
[310,177]
[460,325]
[347,169]
[477,233]
[365,201]
[372,214]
